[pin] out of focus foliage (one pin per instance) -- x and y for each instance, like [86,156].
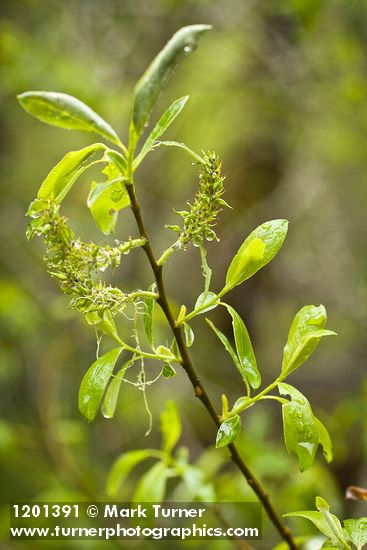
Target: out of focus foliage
[280,89]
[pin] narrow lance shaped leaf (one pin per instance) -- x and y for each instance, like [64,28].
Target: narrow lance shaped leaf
[123,466]
[189,335]
[258,249]
[160,71]
[94,384]
[244,349]
[66,111]
[208,299]
[182,146]
[170,426]
[111,396]
[304,335]
[228,431]
[63,176]
[163,123]
[149,304]
[223,338]
[300,431]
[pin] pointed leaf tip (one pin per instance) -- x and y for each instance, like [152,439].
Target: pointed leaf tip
[65,111]
[159,72]
[257,250]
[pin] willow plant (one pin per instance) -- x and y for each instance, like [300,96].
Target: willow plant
[77,267]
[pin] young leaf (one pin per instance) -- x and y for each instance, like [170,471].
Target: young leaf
[300,431]
[318,520]
[163,123]
[189,335]
[330,545]
[149,315]
[94,383]
[192,153]
[227,346]
[117,160]
[258,249]
[170,426]
[228,431]
[105,200]
[244,349]
[324,440]
[152,485]
[207,298]
[165,353]
[63,176]
[336,531]
[357,531]
[168,371]
[104,323]
[110,399]
[325,522]
[123,466]
[160,70]
[304,335]
[66,111]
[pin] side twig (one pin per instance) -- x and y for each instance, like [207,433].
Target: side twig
[199,389]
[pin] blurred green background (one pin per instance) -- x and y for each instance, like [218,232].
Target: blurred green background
[279,90]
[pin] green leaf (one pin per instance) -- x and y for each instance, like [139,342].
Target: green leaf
[163,123]
[192,153]
[357,531]
[123,466]
[258,249]
[335,529]
[165,352]
[207,298]
[325,522]
[227,346]
[334,545]
[324,440]
[300,431]
[244,349]
[152,485]
[94,383]
[228,431]
[117,160]
[149,315]
[160,71]
[107,198]
[63,176]
[304,335]
[317,519]
[170,426]
[66,111]
[189,335]
[110,399]
[168,371]
[103,322]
